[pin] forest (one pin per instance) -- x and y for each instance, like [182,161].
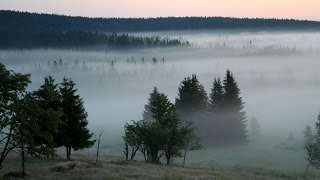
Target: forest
[80,39]
[33,22]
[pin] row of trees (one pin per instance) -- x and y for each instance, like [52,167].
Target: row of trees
[77,39]
[171,130]
[12,20]
[34,123]
[219,116]
[161,133]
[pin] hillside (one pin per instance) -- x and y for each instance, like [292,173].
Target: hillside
[24,21]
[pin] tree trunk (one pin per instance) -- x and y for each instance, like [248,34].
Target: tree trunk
[126,151]
[306,171]
[98,151]
[23,158]
[5,150]
[133,153]
[184,156]
[68,153]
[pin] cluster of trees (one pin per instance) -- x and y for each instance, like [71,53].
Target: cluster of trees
[161,133]
[12,20]
[35,123]
[76,39]
[219,116]
[171,130]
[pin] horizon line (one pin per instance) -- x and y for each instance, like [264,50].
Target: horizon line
[156,17]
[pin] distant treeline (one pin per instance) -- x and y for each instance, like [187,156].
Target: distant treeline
[24,21]
[76,39]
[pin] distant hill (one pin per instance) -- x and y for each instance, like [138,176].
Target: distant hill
[24,21]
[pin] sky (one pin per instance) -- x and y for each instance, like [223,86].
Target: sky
[297,9]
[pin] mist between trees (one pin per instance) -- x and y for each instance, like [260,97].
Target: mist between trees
[171,130]
[34,123]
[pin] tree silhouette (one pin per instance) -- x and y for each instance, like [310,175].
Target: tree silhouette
[73,133]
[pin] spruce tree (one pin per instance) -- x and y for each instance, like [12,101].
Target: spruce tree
[216,96]
[73,133]
[192,100]
[147,114]
[234,115]
[255,129]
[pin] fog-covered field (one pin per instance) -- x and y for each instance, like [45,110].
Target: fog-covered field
[278,74]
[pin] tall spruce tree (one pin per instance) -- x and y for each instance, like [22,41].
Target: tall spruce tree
[147,114]
[234,116]
[192,100]
[73,133]
[216,96]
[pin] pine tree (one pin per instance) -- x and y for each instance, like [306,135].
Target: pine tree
[216,96]
[234,115]
[192,100]
[73,133]
[147,114]
[255,129]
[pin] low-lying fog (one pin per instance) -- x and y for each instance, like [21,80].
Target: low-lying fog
[278,74]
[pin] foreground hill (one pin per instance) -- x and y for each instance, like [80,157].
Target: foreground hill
[24,21]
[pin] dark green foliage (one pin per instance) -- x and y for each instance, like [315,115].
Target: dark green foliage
[216,96]
[226,117]
[234,117]
[73,133]
[48,98]
[12,91]
[27,122]
[76,39]
[192,100]
[163,136]
[147,114]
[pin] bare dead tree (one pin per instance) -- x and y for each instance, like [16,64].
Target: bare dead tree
[98,139]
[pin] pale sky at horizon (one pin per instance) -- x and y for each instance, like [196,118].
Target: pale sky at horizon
[297,9]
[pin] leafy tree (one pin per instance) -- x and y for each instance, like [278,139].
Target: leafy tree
[73,133]
[34,135]
[133,137]
[192,100]
[313,157]
[166,119]
[164,136]
[12,91]
[191,140]
[27,127]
